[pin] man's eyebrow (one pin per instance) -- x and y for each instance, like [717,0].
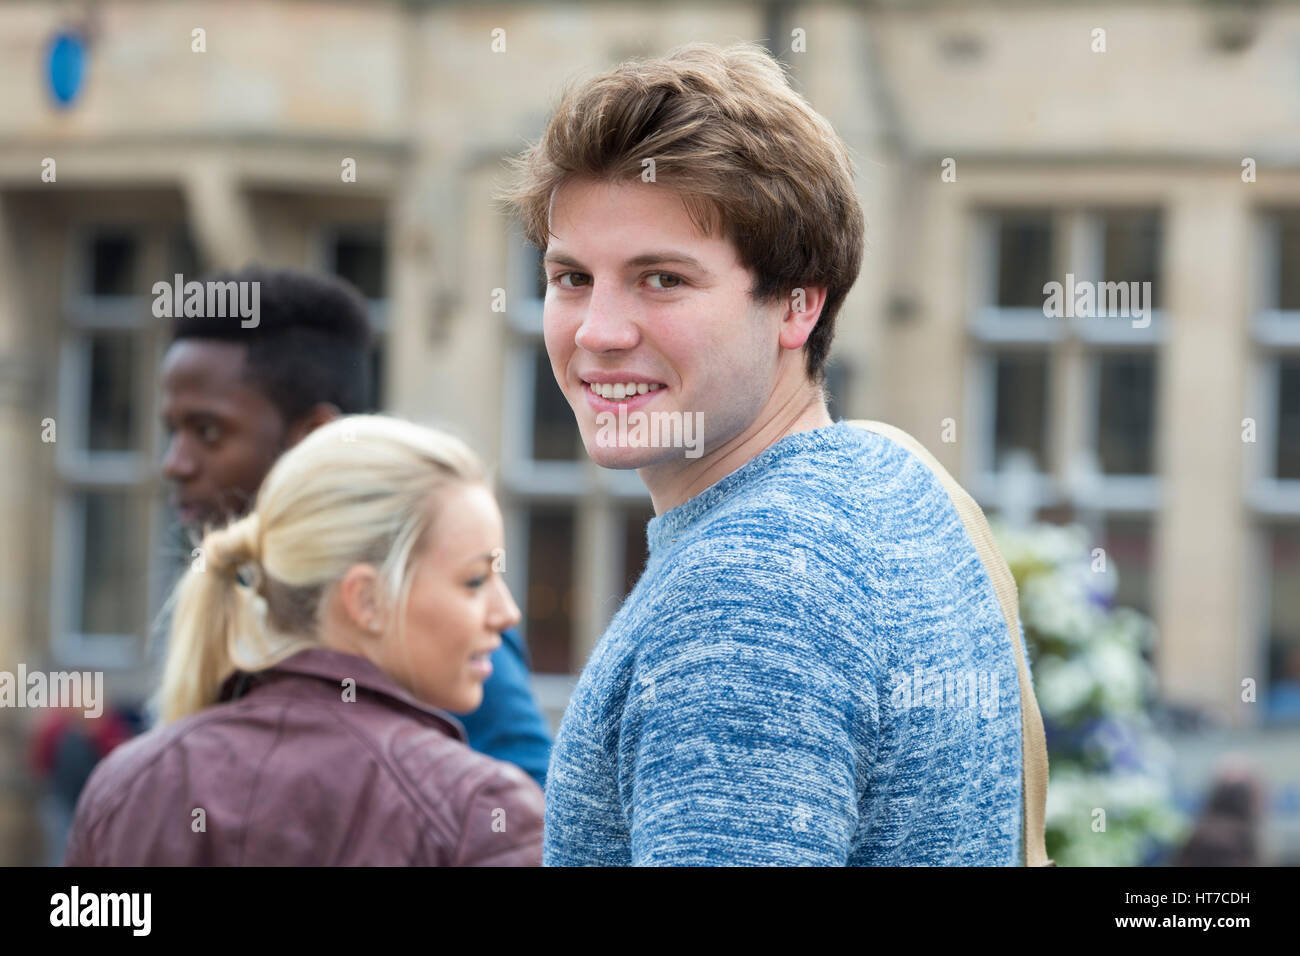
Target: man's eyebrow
[645,259]
[193,416]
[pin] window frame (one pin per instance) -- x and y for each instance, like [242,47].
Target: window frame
[1273,502]
[80,471]
[1074,347]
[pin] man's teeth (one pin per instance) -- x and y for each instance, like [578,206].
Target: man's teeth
[622,390]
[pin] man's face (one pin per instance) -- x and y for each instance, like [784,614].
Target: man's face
[223,433]
[636,294]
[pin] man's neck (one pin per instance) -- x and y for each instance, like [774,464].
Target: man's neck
[673,484]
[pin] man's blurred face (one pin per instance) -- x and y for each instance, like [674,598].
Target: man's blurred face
[223,433]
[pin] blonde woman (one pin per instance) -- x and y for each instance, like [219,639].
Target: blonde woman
[304,715]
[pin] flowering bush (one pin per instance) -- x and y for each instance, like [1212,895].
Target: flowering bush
[1109,796]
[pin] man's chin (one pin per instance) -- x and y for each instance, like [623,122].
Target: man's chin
[627,457]
[198,521]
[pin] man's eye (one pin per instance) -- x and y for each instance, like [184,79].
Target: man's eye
[477,583]
[209,433]
[560,277]
[673,280]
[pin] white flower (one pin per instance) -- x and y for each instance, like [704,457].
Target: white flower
[1061,686]
[1119,674]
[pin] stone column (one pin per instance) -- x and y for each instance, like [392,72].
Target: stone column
[1206,646]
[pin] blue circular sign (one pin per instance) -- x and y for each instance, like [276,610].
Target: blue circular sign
[66,66]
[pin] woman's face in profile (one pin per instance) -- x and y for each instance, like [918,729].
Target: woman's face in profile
[458,604]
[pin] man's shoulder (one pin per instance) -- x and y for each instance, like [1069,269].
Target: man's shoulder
[854,472]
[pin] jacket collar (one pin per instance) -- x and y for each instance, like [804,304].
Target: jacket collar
[335,667]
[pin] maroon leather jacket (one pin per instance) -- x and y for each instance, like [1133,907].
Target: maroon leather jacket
[291,773]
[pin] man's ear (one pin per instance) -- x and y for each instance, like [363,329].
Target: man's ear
[319,414]
[359,595]
[803,309]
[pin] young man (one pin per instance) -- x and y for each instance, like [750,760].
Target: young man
[234,399]
[766,693]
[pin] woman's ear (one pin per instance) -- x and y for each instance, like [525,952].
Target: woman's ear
[359,594]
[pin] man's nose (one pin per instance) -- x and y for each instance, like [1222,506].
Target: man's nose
[610,322]
[179,462]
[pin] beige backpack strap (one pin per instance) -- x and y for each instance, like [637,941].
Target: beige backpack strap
[1031,721]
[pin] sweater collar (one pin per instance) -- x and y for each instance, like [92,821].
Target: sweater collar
[662,530]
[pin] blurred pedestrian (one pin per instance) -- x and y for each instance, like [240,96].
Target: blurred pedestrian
[1227,831]
[65,747]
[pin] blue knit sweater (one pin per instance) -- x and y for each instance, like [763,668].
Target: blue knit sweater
[813,669]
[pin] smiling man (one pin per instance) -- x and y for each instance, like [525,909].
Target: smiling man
[752,701]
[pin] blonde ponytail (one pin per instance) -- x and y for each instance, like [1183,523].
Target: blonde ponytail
[211,609]
[354,491]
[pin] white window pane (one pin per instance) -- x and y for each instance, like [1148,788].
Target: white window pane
[110,412]
[635,550]
[1128,547]
[1024,259]
[549,610]
[112,265]
[1020,407]
[1287,460]
[361,258]
[555,431]
[1131,244]
[1126,391]
[1288,269]
[113,582]
[1284,622]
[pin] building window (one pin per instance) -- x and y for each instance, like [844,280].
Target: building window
[1063,405]
[113,265]
[550,596]
[1020,408]
[555,431]
[109,570]
[1124,400]
[1275,483]
[1024,259]
[1287,269]
[1128,547]
[635,549]
[359,254]
[1283,622]
[1131,244]
[112,562]
[1286,431]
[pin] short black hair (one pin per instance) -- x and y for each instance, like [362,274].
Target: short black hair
[311,343]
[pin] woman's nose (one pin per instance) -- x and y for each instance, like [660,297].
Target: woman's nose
[508,614]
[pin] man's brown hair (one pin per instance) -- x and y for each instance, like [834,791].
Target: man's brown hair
[745,152]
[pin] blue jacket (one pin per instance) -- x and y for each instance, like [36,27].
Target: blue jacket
[509,724]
